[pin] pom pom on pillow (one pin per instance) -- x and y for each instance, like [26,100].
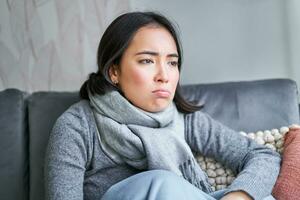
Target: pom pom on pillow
[287,186]
[220,177]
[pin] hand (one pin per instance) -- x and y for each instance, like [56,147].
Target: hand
[294,127]
[237,195]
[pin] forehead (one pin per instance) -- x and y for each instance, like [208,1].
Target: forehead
[154,38]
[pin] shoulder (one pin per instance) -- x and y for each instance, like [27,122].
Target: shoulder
[78,117]
[196,117]
[202,122]
[78,112]
[81,108]
[72,134]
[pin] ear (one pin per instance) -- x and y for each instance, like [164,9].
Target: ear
[113,73]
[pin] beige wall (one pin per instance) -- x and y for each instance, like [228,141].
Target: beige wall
[232,40]
[293,26]
[51,44]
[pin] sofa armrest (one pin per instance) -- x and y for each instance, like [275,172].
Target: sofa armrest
[13,145]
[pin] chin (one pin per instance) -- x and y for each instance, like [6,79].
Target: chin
[159,107]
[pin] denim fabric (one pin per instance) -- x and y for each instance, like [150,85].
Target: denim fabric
[159,185]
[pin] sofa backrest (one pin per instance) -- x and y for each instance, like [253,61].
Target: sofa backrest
[248,106]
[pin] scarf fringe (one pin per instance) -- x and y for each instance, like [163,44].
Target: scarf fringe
[192,172]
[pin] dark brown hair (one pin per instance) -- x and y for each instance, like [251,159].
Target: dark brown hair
[113,44]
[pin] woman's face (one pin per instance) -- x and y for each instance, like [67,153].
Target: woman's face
[149,74]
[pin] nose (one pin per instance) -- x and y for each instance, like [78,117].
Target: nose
[162,74]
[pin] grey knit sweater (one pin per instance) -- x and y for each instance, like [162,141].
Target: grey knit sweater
[77,168]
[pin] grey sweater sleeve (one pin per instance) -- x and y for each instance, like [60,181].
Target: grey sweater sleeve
[66,159]
[256,166]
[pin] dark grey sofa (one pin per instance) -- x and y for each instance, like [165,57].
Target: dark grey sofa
[26,120]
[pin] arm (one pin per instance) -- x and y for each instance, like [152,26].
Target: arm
[256,165]
[66,158]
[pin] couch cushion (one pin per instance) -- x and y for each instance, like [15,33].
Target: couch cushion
[249,105]
[43,109]
[13,146]
[287,185]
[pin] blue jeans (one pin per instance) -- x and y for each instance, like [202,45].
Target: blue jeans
[159,185]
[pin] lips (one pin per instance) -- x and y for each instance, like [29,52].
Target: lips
[162,93]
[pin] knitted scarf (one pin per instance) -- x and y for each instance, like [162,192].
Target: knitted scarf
[145,140]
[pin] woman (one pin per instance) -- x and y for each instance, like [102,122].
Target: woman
[132,135]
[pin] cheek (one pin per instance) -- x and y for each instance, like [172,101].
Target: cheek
[139,78]
[175,78]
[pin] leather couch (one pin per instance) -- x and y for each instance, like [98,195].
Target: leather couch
[26,121]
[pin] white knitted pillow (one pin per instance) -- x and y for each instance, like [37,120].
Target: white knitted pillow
[220,177]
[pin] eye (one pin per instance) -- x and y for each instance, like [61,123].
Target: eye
[174,63]
[145,61]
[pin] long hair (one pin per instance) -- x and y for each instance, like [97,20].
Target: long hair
[112,46]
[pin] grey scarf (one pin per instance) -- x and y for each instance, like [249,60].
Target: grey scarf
[145,140]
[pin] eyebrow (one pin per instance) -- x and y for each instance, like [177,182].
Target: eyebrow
[156,53]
